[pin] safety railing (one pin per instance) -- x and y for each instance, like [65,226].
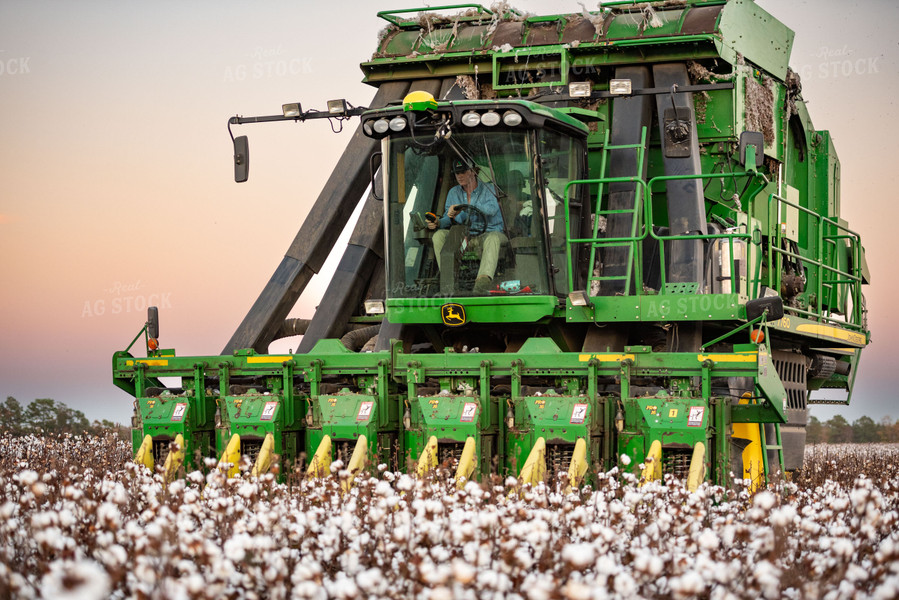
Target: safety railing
[640,231]
[829,278]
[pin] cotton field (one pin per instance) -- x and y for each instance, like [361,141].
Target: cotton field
[78,520]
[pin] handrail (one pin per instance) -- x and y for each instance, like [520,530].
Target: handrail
[853,280]
[387,14]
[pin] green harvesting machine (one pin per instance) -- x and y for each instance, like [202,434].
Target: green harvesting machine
[586,240]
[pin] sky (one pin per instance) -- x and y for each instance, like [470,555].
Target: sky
[117,179]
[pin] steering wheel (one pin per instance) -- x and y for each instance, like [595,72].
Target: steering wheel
[476,224]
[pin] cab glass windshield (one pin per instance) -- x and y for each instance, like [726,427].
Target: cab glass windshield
[465,216]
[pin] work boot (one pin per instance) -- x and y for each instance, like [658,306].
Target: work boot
[482,285]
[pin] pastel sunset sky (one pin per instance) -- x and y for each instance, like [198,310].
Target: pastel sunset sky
[117,187]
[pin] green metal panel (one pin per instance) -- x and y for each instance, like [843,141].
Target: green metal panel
[747,29]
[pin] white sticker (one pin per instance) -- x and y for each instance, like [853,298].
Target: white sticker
[364,411]
[579,414]
[269,411]
[469,411]
[180,410]
[695,417]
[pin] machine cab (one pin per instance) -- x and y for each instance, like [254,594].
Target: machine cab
[475,197]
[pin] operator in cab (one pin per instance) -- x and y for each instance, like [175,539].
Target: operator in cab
[472,216]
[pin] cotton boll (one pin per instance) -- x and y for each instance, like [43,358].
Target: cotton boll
[579,555]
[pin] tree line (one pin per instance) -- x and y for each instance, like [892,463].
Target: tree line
[48,416]
[864,430]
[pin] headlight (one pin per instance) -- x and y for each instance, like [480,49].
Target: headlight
[366,127]
[397,124]
[490,118]
[381,126]
[471,119]
[621,87]
[512,118]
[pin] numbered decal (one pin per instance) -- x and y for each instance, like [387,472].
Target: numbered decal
[469,411]
[672,413]
[268,412]
[179,412]
[578,414]
[695,417]
[365,411]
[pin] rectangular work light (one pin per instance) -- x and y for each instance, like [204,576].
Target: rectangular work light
[292,111]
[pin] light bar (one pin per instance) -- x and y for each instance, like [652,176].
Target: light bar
[621,87]
[292,111]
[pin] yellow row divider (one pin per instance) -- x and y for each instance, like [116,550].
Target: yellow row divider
[144,454]
[320,465]
[697,467]
[534,468]
[428,459]
[652,466]
[175,459]
[232,455]
[578,468]
[264,459]
[467,463]
[357,463]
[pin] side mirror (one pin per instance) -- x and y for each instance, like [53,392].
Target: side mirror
[241,159]
[756,141]
[153,322]
[376,182]
[773,304]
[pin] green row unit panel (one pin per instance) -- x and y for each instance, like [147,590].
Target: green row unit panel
[165,417]
[452,420]
[677,423]
[253,417]
[345,416]
[560,421]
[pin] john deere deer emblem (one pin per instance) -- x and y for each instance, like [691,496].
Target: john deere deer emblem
[452,314]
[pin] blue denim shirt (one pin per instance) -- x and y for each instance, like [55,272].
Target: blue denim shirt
[482,198]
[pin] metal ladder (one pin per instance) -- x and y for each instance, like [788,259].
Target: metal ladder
[633,248]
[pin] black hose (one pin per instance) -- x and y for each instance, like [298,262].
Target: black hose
[354,340]
[292,327]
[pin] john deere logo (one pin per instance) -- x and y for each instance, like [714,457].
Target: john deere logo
[452,314]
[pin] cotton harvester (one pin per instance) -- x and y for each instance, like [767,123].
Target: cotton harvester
[652,263]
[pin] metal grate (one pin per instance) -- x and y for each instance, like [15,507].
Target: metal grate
[793,371]
[449,453]
[677,461]
[161,448]
[558,460]
[687,287]
[343,450]
[250,448]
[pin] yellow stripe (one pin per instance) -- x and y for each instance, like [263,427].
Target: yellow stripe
[604,357]
[148,361]
[267,359]
[749,357]
[832,332]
